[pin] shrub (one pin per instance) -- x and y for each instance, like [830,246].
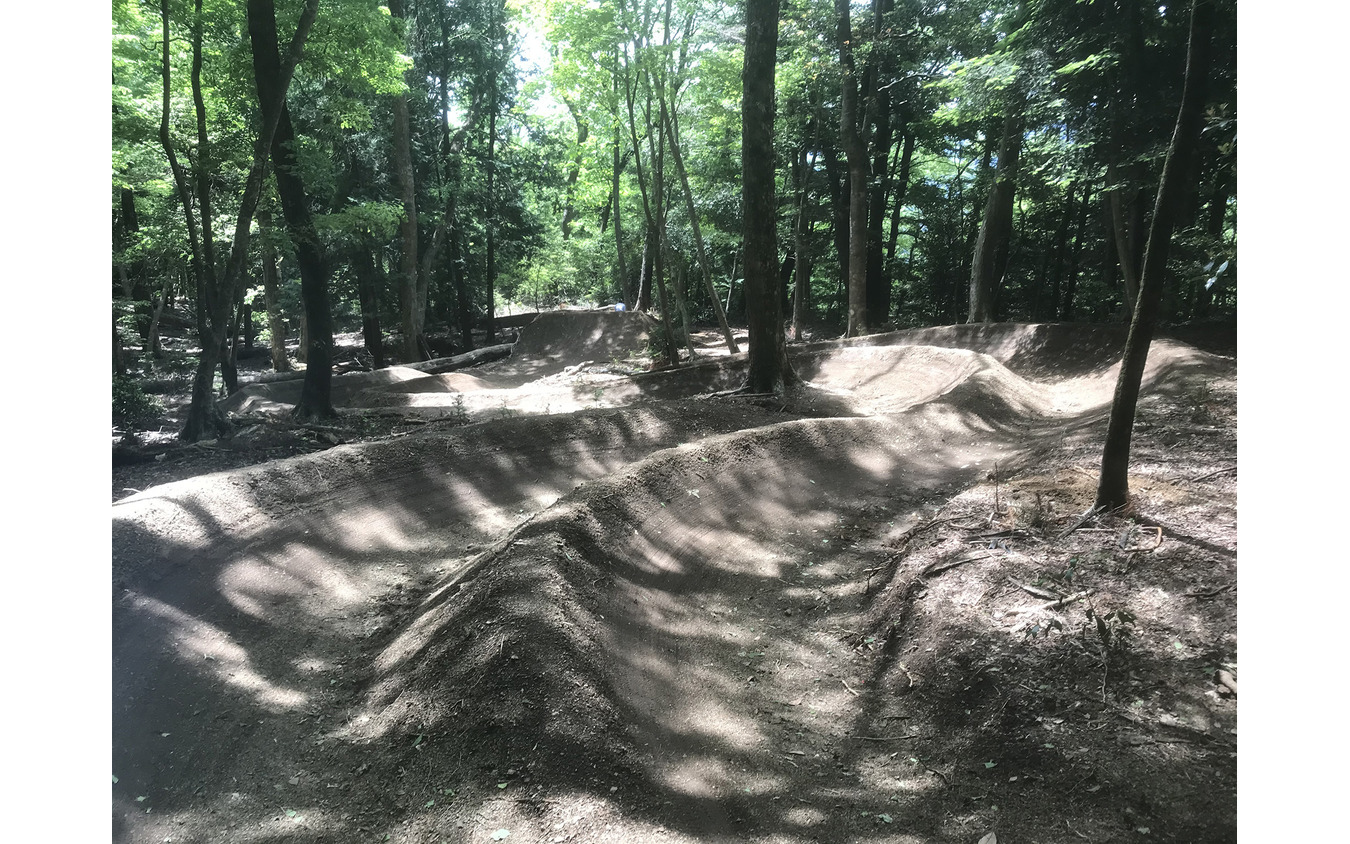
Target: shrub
[132,407]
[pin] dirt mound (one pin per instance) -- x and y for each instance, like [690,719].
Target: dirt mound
[696,619]
[575,336]
[1040,351]
[346,388]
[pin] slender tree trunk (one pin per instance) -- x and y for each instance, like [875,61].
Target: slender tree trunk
[703,262]
[801,284]
[316,394]
[1113,487]
[879,107]
[119,363]
[276,326]
[1047,304]
[621,282]
[368,288]
[215,292]
[1122,204]
[583,134]
[998,213]
[839,204]
[672,352]
[644,297]
[901,182]
[770,370]
[855,152]
[463,295]
[412,315]
[1075,254]
[157,304]
[491,222]
[203,415]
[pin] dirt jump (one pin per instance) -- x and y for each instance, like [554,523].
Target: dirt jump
[572,601]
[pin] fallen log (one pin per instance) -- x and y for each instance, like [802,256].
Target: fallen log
[440,366]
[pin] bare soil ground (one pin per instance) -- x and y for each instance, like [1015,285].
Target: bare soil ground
[557,598]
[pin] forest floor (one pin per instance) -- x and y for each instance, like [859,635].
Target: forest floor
[557,598]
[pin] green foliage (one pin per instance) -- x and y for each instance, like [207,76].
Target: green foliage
[374,221]
[948,69]
[132,407]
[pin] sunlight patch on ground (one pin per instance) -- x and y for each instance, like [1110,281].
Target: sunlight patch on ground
[268,591]
[209,650]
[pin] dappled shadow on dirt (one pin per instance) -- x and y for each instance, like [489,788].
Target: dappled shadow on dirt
[785,620]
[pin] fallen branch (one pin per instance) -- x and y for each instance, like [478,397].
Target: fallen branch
[886,738]
[1054,605]
[1082,520]
[939,568]
[1212,593]
[1032,590]
[1222,471]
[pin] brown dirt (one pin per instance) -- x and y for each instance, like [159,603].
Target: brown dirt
[588,603]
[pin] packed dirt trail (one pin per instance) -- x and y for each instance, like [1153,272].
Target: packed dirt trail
[581,604]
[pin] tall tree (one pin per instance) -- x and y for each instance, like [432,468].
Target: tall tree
[770,371]
[217,287]
[1113,487]
[854,144]
[996,227]
[412,302]
[316,400]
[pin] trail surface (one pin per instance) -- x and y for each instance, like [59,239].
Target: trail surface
[601,606]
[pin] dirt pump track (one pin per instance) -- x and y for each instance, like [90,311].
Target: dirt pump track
[611,608]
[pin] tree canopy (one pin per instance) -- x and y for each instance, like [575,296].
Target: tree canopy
[932,163]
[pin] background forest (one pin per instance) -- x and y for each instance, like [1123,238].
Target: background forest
[443,164]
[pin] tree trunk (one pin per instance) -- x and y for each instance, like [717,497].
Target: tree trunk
[157,304]
[1047,303]
[491,222]
[119,363]
[769,371]
[583,134]
[411,314]
[216,292]
[644,296]
[801,285]
[839,199]
[276,326]
[998,213]
[901,182]
[1113,487]
[621,281]
[703,262]
[316,395]
[879,107]
[463,295]
[1071,275]
[368,288]
[855,152]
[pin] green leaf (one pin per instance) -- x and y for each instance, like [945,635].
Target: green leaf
[885,818]
[990,764]
[501,835]
[114,776]
[502,785]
